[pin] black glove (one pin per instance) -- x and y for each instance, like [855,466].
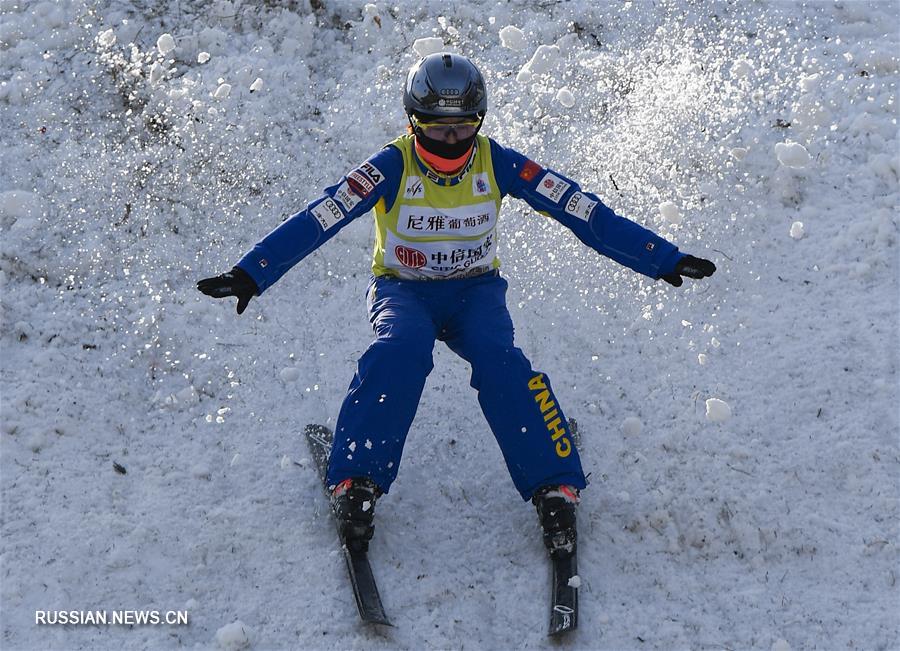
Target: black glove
[236,282]
[692,268]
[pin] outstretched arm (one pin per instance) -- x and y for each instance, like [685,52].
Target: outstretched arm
[595,224]
[294,239]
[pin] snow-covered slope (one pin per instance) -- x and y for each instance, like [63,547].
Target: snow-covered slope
[741,433]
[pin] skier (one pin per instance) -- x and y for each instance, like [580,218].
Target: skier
[436,193]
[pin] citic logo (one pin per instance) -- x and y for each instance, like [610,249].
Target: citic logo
[410,257]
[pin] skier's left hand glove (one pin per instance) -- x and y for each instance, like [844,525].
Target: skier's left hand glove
[236,282]
[692,268]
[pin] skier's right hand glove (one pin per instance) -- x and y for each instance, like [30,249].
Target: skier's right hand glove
[236,282]
[691,267]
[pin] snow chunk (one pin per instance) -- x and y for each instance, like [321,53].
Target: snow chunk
[157,70]
[797,230]
[575,582]
[512,38]
[810,83]
[792,154]
[781,645]
[165,44]
[203,57]
[425,46]
[632,426]
[670,212]
[717,411]
[234,636]
[741,68]
[545,59]
[285,462]
[289,374]
[256,85]
[738,153]
[565,97]
[223,91]
[19,204]
[107,38]
[703,359]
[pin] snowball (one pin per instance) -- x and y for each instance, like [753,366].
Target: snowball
[512,38]
[670,212]
[565,97]
[781,645]
[741,68]
[703,359]
[165,44]
[256,85]
[425,46]
[792,154]
[797,230]
[717,410]
[234,636]
[632,426]
[203,57]
[107,38]
[223,91]
[289,374]
[575,582]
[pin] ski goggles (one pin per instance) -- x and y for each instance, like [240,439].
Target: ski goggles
[442,130]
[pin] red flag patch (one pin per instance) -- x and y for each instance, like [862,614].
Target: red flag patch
[529,170]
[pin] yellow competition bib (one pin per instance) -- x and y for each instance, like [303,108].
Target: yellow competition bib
[439,227]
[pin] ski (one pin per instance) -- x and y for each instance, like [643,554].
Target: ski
[564,595]
[564,604]
[319,439]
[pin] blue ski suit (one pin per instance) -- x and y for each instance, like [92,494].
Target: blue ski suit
[436,277]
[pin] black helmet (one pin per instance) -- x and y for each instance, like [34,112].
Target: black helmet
[445,85]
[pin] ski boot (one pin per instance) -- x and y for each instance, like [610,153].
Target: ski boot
[556,510]
[353,501]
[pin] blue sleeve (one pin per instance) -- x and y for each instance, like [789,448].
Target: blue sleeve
[298,236]
[595,224]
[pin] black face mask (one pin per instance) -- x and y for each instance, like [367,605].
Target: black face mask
[445,149]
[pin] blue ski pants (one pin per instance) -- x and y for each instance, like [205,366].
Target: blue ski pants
[471,317]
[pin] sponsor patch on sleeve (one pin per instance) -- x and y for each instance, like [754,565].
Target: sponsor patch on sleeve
[327,213]
[364,178]
[530,170]
[552,187]
[345,196]
[580,205]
